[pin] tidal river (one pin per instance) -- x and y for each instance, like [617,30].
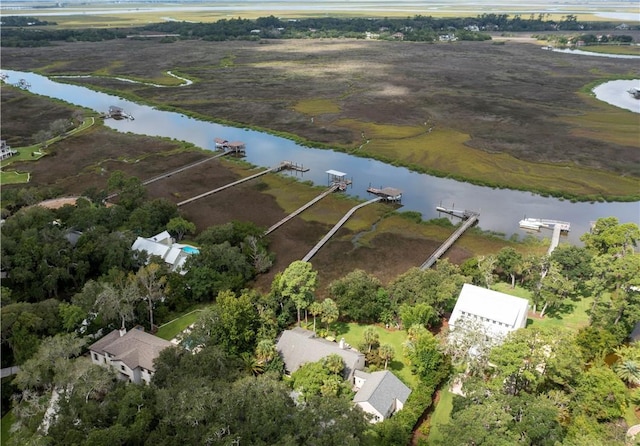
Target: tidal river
[500,209]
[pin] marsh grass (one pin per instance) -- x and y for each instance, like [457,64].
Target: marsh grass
[317,107]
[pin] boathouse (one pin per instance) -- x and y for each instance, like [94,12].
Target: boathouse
[337,178]
[116,112]
[236,147]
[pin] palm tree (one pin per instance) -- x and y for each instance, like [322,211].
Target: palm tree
[370,337]
[330,312]
[386,353]
[334,363]
[627,367]
[315,309]
[251,364]
[265,351]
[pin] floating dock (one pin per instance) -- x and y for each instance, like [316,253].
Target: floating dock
[469,218]
[387,193]
[537,224]
[118,113]
[237,147]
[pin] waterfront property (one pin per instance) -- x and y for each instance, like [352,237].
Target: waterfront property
[498,313]
[5,150]
[163,246]
[130,353]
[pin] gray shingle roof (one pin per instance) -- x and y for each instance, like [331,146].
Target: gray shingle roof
[381,390]
[299,346]
[136,348]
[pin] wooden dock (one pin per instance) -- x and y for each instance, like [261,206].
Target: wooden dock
[470,218]
[387,193]
[301,209]
[555,238]
[338,225]
[278,168]
[182,169]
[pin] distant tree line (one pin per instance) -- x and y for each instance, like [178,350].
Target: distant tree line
[418,28]
[25,21]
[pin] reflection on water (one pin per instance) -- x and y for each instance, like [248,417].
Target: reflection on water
[500,209]
[594,54]
[617,93]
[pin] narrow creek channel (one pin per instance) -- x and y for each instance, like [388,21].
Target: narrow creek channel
[501,209]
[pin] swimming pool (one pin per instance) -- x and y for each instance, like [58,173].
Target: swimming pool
[190,250]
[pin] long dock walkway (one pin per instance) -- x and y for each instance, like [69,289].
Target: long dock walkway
[173,172]
[183,168]
[555,238]
[302,208]
[468,222]
[277,168]
[338,225]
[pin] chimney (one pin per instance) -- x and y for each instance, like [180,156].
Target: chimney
[123,331]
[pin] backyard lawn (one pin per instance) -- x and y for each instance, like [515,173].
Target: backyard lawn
[354,334]
[7,421]
[171,329]
[440,416]
[574,316]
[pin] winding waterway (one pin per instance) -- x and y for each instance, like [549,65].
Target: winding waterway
[501,209]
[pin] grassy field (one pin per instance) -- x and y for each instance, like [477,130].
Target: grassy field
[7,421]
[354,335]
[171,329]
[34,153]
[633,50]
[573,316]
[440,416]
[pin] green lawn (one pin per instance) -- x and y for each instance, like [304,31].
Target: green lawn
[171,329]
[440,415]
[14,177]
[354,334]
[33,153]
[7,421]
[574,316]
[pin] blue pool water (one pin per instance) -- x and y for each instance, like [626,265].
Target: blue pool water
[191,250]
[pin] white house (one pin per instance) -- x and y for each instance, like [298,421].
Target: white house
[163,246]
[380,394]
[499,313]
[130,353]
[5,150]
[299,346]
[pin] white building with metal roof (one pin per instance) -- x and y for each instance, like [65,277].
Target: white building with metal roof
[499,313]
[163,246]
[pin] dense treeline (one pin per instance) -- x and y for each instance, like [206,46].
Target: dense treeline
[417,28]
[540,387]
[57,264]
[24,21]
